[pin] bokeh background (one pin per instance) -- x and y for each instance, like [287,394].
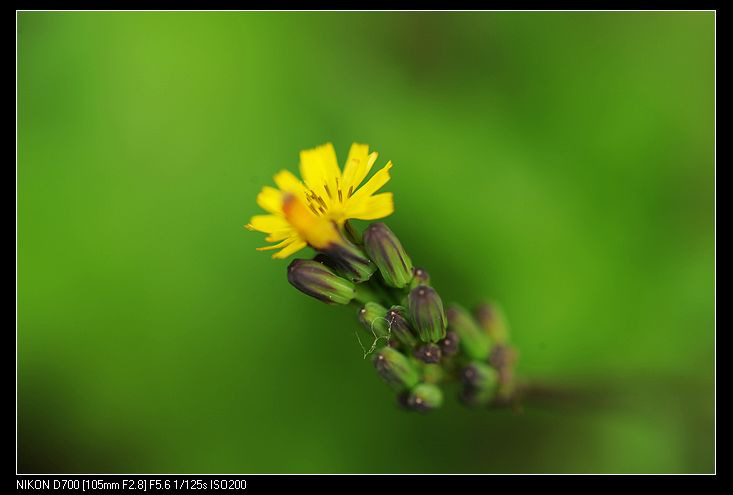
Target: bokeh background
[561,163]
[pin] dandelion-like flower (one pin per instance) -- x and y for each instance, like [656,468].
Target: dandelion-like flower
[417,345]
[313,211]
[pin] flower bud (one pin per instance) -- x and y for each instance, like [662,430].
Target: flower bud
[492,320]
[349,261]
[395,368]
[479,383]
[449,345]
[472,396]
[385,249]
[419,277]
[479,375]
[319,281]
[427,353]
[503,356]
[425,397]
[373,317]
[474,342]
[400,327]
[426,310]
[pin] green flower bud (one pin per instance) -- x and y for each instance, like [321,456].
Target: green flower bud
[427,353]
[419,277]
[425,397]
[349,261]
[400,326]
[479,375]
[492,320]
[474,342]
[385,249]
[479,383]
[373,317]
[395,368]
[317,280]
[503,356]
[426,310]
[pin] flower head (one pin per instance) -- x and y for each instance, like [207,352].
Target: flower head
[313,211]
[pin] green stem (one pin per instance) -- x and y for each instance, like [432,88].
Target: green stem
[365,293]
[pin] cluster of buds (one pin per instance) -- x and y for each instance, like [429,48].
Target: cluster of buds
[418,345]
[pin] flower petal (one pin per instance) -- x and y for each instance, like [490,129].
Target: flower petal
[320,171]
[279,235]
[267,223]
[270,199]
[289,249]
[378,180]
[373,207]
[284,243]
[287,181]
[357,166]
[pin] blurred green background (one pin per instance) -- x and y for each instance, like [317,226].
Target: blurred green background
[562,163]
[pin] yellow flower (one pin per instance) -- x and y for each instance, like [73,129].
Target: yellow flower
[313,211]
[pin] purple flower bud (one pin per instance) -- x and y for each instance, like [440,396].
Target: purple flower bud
[395,368]
[426,310]
[400,326]
[317,280]
[427,353]
[385,249]
[449,345]
[349,261]
[425,397]
[420,276]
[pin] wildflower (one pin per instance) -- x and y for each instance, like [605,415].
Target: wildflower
[418,346]
[313,211]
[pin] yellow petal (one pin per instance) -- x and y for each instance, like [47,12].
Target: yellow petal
[270,199]
[290,249]
[279,235]
[320,171]
[287,181]
[284,243]
[378,180]
[267,223]
[373,207]
[357,166]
